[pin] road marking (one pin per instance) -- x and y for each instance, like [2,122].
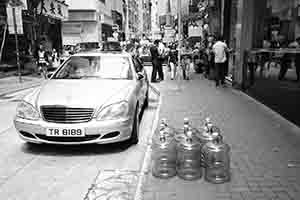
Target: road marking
[147,158]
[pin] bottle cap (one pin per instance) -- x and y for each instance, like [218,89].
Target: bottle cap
[207,120]
[209,127]
[189,134]
[186,120]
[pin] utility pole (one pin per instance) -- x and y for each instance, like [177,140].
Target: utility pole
[179,30]
[127,21]
[17,44]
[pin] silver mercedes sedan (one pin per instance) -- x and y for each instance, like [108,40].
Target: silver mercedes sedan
[93,97]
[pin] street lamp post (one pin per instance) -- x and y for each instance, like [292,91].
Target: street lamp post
[179,30]
[14,4]
[127,21]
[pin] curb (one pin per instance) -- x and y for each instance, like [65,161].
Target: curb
[147,159]
[275,114]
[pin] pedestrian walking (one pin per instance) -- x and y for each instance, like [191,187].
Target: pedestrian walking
[154,60]
[55,59]
[187,64]
[199,59]
[42,62]
[220,49]
[210,56]
[172,57]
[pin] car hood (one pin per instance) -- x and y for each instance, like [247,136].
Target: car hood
[81,93]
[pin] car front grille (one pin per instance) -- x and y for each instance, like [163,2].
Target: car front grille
[66,115]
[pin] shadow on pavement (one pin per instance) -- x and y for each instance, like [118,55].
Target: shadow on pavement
[281,96]
[75,150]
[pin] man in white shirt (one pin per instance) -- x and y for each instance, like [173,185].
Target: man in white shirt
[220,49]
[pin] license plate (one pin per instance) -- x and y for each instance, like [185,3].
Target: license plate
[65,132]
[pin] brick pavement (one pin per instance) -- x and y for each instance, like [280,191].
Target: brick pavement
[11,83]
[265,150]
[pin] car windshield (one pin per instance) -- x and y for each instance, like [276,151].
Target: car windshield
[99,67]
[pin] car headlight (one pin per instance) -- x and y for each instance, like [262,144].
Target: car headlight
[114,111]
[27,111]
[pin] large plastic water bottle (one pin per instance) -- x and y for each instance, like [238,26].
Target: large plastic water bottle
[217,160]
[164,156]
[206,135]
[188,159]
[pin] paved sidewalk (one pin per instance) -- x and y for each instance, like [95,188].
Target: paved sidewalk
[11,84]
[265,149]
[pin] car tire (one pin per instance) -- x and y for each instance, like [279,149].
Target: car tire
[134,139]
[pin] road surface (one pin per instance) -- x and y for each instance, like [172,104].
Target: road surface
[35,172]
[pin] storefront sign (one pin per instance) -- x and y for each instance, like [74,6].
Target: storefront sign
[169,34]
[10,20]
[195,31]
[115,27]
[53,8]
[105,19]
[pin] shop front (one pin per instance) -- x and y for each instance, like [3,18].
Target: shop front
[266,62]
[53,12]
[41,24]
[106,26]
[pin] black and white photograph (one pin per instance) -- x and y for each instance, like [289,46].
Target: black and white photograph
[149,99]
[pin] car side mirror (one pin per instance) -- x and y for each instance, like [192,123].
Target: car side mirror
[140,76]
[49,74]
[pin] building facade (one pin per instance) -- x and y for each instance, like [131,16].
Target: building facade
[117,13]
[89,22]
[145,17]
[249,24]
[133,18]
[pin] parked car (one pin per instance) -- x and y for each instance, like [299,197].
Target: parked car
[94,97]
